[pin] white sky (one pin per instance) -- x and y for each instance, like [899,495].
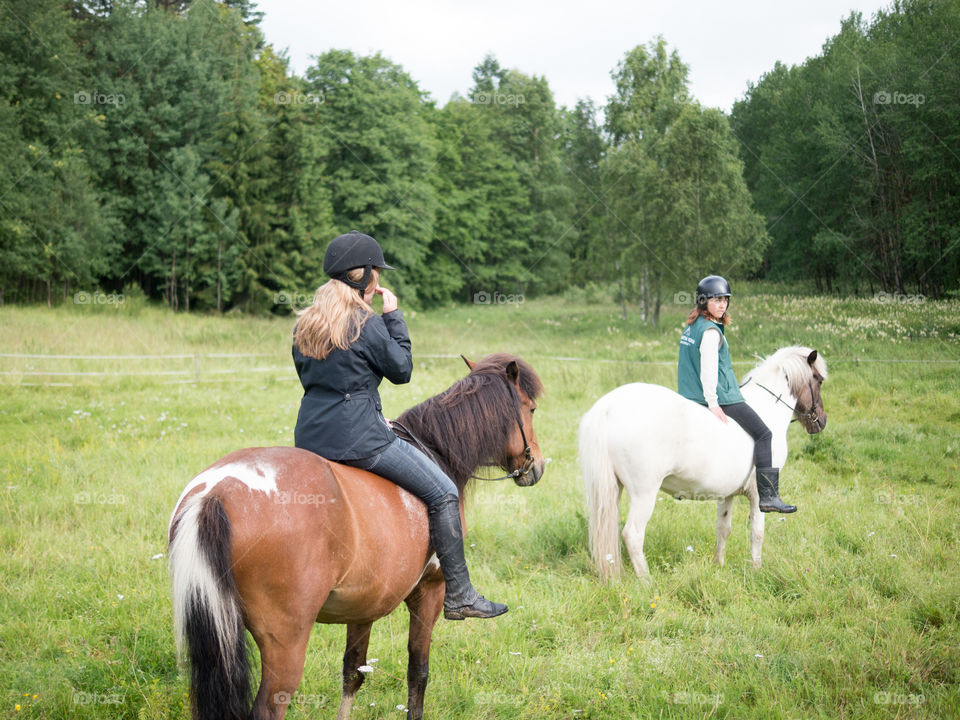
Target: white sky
[575,45]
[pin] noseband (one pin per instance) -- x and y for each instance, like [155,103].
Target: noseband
[805,417]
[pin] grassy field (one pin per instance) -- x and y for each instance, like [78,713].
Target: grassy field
[854,613]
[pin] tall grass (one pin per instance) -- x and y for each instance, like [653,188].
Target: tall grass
[854,613]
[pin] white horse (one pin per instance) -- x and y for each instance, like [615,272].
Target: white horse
[647,438]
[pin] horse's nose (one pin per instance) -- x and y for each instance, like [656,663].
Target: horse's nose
[533,475]
[538,469]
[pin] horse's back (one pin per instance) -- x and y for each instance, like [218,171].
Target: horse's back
[656,433]
[331,530]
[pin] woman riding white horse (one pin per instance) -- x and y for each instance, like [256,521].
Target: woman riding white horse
[647,438]
[705,375]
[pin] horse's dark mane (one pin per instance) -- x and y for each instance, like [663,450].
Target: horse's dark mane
[467,426]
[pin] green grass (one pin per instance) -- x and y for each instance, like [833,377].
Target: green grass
[854,613]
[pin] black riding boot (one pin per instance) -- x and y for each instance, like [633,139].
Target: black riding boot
[768,485]
[461,599]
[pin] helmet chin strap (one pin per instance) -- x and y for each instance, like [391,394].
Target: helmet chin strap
[361,286]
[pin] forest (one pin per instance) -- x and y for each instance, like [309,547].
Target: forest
[164,148]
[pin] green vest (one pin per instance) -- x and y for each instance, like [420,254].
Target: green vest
[688,366]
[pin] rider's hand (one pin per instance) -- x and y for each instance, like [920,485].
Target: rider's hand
[719,413]
[389,299]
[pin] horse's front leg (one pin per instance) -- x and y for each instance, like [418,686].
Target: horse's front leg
[358,638]
[756,525]
[724,523]
[424,603]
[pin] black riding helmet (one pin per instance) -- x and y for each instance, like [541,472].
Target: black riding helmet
[710,287]
[353,250]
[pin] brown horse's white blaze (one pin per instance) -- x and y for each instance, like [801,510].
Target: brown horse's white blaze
[277,539]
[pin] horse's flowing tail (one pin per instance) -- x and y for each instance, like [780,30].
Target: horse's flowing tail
[207,618]
[602,493]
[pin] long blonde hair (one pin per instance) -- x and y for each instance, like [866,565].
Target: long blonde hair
[336,317]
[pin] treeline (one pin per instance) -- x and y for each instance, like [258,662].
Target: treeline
[163,144]
[854,156]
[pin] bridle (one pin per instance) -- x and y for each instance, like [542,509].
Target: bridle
[522,471]
[805,417]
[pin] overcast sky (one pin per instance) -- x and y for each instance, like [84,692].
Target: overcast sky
[575,45]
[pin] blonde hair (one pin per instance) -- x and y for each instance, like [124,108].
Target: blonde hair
[336,317]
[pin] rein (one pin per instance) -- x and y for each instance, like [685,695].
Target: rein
[810,415]
[404,433]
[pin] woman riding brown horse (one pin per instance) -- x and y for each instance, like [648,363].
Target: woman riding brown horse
[342,350]
[276,539]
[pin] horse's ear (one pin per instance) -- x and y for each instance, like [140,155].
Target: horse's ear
[812,357]
[513,372]
[470,365]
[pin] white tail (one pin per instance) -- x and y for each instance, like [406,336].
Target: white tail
[602,493]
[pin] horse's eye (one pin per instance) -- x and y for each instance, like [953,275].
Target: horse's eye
[532,410]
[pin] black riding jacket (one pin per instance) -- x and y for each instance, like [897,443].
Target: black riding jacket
[340,413]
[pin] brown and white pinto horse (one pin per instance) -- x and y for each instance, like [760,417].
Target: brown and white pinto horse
[277,539]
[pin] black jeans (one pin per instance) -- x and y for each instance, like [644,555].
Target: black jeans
[402,463]
[756,428]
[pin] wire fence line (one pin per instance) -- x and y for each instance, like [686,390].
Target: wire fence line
[202,372]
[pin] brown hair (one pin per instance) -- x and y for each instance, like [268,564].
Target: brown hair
[698,311]
[336,317]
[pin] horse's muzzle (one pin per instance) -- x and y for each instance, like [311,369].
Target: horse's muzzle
[816,424]
[531,475]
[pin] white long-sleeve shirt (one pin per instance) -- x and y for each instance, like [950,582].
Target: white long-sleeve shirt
[710,365]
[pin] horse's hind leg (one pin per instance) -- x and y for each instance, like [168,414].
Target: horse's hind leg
[282,654]
[425,603]
[724,523]
[756,525]
[358,639]
[641,508]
